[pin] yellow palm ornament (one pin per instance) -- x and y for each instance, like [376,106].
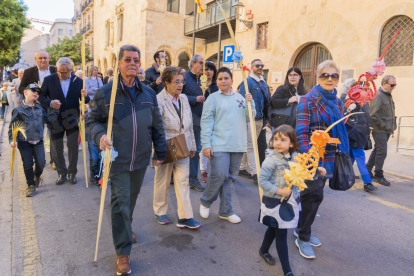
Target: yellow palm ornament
[16,128]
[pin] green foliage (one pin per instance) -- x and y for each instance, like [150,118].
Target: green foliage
[68,47]
[12,24]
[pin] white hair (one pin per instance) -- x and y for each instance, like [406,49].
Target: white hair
[20,70]
[65,61]
[346,85]
[78,72]
[326,64]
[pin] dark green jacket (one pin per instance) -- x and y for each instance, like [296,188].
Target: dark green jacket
[382,111]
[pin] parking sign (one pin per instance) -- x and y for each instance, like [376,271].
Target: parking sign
[228,52]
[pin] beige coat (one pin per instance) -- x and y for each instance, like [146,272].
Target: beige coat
[171,120]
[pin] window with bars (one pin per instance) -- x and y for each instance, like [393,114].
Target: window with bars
[401,51]
[262,31]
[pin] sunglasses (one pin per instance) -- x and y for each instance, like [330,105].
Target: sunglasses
[393,85]
[326,76]
[259,65]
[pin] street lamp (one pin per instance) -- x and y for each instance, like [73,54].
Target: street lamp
[239,12]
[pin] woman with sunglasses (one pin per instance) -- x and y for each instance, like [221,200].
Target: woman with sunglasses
[289,94]
[317,110]
[211,72]
[177,119]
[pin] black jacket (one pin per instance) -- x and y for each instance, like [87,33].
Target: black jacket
[69,110]
[358,127]
[281,96]
[151,75]
[211,89]
[137,125]
[31,75]
[192,89]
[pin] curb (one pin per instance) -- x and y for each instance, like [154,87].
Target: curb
[399,175]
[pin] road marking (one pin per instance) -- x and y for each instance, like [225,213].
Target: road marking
[392,204]
[28,236]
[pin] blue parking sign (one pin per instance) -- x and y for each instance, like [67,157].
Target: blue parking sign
[228,52]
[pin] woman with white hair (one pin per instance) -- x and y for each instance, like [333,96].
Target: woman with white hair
[317,110]
[79,73]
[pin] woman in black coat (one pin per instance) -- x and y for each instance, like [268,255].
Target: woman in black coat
[211,72]
[288,94]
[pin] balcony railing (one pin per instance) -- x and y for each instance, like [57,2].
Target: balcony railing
[86,4]
[211,17]
[76,16]
[87,29]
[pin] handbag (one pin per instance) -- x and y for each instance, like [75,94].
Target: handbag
[177,146]
[343,173]
[282,116]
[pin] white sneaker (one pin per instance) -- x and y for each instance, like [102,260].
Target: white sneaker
[204,211]
[233,218]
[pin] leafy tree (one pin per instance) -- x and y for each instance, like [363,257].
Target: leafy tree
[12,24]
[68,47]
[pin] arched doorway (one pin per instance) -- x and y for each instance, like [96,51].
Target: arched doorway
[307,61]
[183,60]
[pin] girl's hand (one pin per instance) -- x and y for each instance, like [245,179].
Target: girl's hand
[322,171]
[13,145]
[249,97]
[285,192]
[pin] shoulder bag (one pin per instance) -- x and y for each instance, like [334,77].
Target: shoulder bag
[177,146]
[283,116]
[343,173]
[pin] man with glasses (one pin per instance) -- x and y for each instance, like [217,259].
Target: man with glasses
[260,92]
[384,122]
[196,99]
[153,74]
[63,91]
[137,125]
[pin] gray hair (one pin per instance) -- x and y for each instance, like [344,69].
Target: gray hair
[129,48]
[110,72]
[78,72]
[346,85]
[387,78]
[65,61]
[194,59]
[326,64]
[21,70]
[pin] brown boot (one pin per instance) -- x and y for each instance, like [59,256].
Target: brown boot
[134,238]
[122,265]
[53,166]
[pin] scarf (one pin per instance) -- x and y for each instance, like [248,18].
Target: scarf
[339,131]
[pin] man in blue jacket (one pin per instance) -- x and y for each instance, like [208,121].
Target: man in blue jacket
[260,92]
[196,99]
[137,123]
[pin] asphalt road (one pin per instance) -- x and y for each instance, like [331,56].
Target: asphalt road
[54,232]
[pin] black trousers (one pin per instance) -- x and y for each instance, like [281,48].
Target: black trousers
[262,145]
[378,155]
[28,152]
[310,204]
[125,187]
[56,148]
[280,237]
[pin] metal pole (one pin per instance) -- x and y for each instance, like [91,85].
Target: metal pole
[219,42]
[195,18]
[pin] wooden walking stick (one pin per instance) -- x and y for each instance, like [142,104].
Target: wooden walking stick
[249,106]
[82,121]
[107,161]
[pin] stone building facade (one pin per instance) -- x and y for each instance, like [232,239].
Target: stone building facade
[61,29]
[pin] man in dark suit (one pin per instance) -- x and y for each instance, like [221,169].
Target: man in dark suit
[37,73]
[63,91]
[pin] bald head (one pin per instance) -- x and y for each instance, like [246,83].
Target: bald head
[42,59]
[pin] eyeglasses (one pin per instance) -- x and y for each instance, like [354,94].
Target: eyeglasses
[179,82]
[293,75]
[393,85]
[326,76]
[259,65]
[63,73]
[129,60]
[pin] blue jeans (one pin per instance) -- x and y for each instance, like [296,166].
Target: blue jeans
[2,110]
[28,152]
[195,161]
[224,170]
[94,159]
[358,154]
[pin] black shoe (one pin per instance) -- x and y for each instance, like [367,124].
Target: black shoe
[196,185]
[245,174]
[267,257]
[61,179]
[381,180]
[38,181]
[72,178]
[370,188]
[255,179]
